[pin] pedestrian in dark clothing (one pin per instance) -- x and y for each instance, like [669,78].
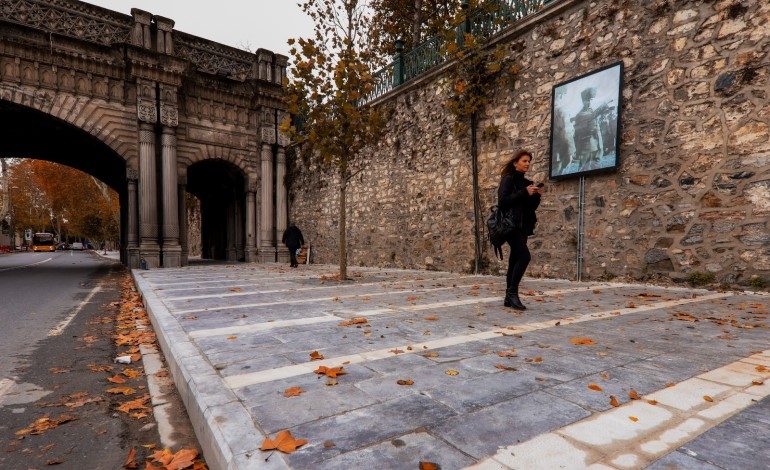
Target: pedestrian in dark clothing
[521,196]
[292,238]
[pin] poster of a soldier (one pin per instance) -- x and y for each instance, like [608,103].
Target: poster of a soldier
[585,122]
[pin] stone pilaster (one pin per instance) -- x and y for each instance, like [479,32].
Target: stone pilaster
[267,221]
[132,230]
[182,198]
[140,35]
[281,202]
[251,234]
[172,251]
[148,205]
[164,42]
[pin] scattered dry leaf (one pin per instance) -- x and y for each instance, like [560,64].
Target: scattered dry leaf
[131,459]
[429,466]
[397,351]
[708,398]
[511,353]
[354,321]
[116,379]
[42,425]
[633,418]
[329,444]
[762,369]
[292,392]
[236,289]
[132,373]
[652,402]
[595,387]
[231,338]
[405,382]
[757,382]
[614,401]
[284,442]
[504,367]
[605,375]
[56,461]
[582,341]
[316,356]
[184,458]
[431,318]
[431,354]
[633,395]
[332,372]
[95,368]
[58,370]
[121,390]
[452,372]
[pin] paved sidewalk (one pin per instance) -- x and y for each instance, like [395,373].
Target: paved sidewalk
[492,388]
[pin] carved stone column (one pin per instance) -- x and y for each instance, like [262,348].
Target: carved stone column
[140,35]
[266,222]
[172,251]
[132,230]
[281,202]
[182,198]
[251,234]
[164,39]
[232,228]
[148,206]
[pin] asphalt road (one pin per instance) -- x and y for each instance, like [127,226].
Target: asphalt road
[38,291]
[57,321]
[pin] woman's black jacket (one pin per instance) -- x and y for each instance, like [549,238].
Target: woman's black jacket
[512,195]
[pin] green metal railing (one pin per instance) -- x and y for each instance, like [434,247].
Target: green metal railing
[490,18]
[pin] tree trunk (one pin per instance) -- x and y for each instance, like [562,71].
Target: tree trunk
[343,231]
[416,22]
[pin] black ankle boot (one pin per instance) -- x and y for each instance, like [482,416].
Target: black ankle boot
[515,302]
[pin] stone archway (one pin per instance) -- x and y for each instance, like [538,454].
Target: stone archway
[220,186]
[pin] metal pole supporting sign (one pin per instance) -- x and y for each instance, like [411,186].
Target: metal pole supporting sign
[581,227]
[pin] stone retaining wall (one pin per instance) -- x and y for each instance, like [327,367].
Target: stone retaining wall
[693,191]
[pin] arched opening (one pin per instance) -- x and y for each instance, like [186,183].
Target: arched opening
[219,186]
[29,133]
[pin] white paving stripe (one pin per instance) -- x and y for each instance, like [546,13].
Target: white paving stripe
[64,323]
[611,439]
[264,326]
[322,299]
[397,284]
[243,380]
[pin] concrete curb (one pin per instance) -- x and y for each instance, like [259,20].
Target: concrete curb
[222,424]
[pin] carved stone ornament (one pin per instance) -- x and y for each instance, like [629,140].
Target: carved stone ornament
[169,115]
[268,135]
[283,140]
[146,111]
[251,187]
[132,174]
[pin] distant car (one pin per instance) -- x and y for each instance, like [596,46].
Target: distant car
[62,246]
[76,246]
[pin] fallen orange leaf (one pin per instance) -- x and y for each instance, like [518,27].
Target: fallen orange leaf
[44,424]
[332,372]
[284,442]
[354,321]
[762,369]
[162,456]
[582,341]
[132,373]
[595,387]
[396,351]
[708,398]
[633,395]
[429,466]
[432,318]
[652,402]
[405,382]
[614,401]
[316,356]
[757,382]
[231,338]
[511,353]
[633,418]
[182,459]
[452,372]
[292,392]
[504,367]
[131,459]
[116,379]
[121,390]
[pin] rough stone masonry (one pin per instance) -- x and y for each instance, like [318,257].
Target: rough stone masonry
[693,191]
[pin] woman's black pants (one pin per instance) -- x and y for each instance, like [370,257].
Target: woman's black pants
[517,262]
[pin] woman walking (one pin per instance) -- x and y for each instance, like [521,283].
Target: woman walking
[521,197]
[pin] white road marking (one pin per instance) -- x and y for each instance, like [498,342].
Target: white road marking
[611,439]
[27,265]
[63,324]
[302,289]
[264,326]
[322,299]
[269,375]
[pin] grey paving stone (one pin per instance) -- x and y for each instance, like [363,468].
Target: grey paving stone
[679,461]
[365,426]
[315,403]
[405,451]
[738,443]
[473,394]
[482,432]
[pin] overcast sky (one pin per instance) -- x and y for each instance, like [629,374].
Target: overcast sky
[258,23]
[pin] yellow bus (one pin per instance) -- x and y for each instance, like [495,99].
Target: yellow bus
[43,241]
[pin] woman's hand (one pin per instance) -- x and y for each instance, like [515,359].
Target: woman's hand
[532,189]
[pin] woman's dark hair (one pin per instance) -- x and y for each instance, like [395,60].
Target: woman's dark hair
[510,166]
